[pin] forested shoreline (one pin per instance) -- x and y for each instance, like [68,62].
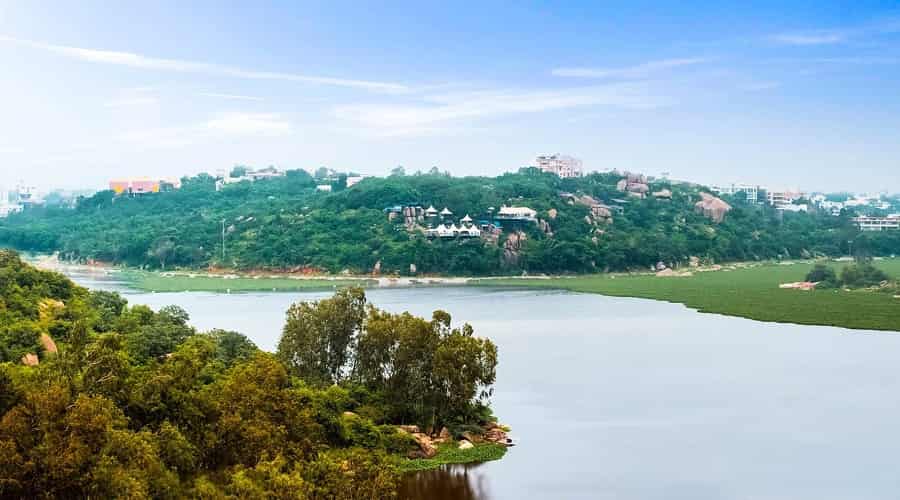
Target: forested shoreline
[99,398]
[285,224]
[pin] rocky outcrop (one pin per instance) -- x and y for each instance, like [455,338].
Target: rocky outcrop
[599,211]
[30,359]
[663,194]
[544,226]
[496,433]
[633,184]
[465,445]
[48,344]
[512,248]
[552,213]
[602,212]
[425,446]
[471,437]
[713,207]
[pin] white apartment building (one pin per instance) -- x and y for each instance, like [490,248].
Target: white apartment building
[564,166]
[865,223]
[752,192]
[782,198]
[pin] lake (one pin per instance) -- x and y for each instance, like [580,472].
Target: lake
[617,398]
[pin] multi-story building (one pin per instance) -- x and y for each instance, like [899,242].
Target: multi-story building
[782,198]
[224,178]
[143,185]
[751,192]
[564,166]
[523,214]
[6,207]
[866,223]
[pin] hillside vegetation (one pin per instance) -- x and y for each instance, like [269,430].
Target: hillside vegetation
[285,224]
[134,403]
[749,292]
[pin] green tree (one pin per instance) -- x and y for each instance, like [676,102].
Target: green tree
[318,337]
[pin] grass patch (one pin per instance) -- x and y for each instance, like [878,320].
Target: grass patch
[746,292]
[165,282]
[449,453]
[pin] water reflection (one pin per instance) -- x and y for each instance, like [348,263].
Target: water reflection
[450,482]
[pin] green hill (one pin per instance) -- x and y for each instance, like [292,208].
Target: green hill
[582,225]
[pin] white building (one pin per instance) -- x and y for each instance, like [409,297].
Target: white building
[782,198]
[517,213]
[564,166]
[264,173]
[751,192]
[250,175]
[793,208]
[465,229]
[353,180]
[324,188]
[7,209]
[865,223]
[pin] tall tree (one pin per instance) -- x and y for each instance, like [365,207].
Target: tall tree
[319,337]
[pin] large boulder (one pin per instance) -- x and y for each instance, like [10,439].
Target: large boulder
[472,437]
[638,187]
[48,344]
[713,207]
[512,246]
[427,449]
[465,445]
[498,436]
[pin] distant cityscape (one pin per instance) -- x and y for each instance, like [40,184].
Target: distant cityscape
[872,212]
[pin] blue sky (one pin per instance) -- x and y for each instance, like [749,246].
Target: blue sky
[803,94]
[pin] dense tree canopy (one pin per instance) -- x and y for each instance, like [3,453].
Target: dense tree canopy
[284,223]
[136,403]
[425,372]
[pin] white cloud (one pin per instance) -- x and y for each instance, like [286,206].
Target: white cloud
[131,101]
[235,97]
[249,124]
[143,62]
[9,150]
[819,38]
[442,111]
[855,60]
[222,126]
[637,71]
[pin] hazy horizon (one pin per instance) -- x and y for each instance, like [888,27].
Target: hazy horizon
[781,95]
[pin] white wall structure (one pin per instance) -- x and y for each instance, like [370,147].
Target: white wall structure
[564,166]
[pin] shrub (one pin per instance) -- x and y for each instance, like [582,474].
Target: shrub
[821,273]
[862,275]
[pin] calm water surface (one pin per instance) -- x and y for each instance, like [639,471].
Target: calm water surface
[616,398]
